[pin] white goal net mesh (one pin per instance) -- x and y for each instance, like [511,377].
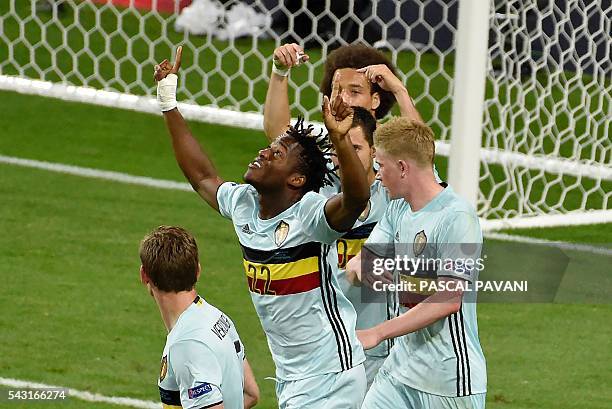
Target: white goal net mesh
[546,141]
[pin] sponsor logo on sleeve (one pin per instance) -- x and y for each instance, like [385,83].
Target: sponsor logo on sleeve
[199,390]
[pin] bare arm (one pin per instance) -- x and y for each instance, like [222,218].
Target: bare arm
[436,307]
[343,209]
[382,75]
[277,114]
[251,390]
[195,164]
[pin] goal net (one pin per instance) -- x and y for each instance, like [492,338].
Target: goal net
[546,147]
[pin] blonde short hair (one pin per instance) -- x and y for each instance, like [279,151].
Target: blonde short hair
[404,138]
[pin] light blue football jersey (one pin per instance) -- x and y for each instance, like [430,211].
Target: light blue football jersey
[291,269]
[371,312]
[444,358]
[202,362]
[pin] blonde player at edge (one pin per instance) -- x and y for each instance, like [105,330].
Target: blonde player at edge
[437,361]
[203,364]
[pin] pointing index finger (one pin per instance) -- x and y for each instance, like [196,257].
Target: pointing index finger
[177,62]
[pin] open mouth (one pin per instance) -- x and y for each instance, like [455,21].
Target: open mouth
[255,164]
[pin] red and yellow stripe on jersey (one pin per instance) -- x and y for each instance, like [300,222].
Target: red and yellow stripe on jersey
[351,243]
[283,271]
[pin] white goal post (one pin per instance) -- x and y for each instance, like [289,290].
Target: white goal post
[527,81]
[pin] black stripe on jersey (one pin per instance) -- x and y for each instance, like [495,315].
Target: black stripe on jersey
[335,310]
[328,313]
[461,354]
[467,358]
[389,340]
[281,256]
[211,405]
[361,232]
[457,358]
[169,397]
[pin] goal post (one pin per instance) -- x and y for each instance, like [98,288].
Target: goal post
[468,97]
[518,93]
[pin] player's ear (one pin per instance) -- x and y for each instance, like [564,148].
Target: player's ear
[198,272]
[375,101]
[403,167]
[297,181]
[373,152]
[143,276]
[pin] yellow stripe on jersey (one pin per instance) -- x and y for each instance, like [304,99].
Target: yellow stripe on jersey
[347,249]
[164,406]
[283,279]
[282,271]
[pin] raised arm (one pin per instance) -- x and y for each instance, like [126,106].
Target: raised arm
[277,114]
[382,75]
[195,164]
[343,209]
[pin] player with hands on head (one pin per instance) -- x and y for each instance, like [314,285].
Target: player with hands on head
[366,78]
[286,231]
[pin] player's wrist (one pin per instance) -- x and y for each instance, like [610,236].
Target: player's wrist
[280,69]
[166,93]
[400,91]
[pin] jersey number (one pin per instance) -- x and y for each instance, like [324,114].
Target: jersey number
[342,253]
[261,280]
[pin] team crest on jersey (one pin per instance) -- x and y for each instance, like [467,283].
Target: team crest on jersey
[366,212]
[420,240]
[281,233]
[164,368]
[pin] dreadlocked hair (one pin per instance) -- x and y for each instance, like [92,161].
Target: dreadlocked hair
[315,158]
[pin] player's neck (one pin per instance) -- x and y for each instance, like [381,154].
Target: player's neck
[272,204]
[423,189]
[172,305]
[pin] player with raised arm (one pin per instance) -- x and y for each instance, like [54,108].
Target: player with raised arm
[286,231]
[203,364]
[365,78]
[378,309]
[437,361]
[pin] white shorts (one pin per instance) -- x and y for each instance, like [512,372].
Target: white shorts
[389,393]
[340,390]
[372,365]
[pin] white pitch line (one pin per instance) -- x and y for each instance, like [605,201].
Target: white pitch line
[172,185]
[559,244]
[96,173]
[83,395]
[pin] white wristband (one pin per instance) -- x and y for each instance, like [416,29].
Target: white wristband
[280,70]
[166,92]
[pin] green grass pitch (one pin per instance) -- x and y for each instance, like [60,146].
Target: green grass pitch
[75,314]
